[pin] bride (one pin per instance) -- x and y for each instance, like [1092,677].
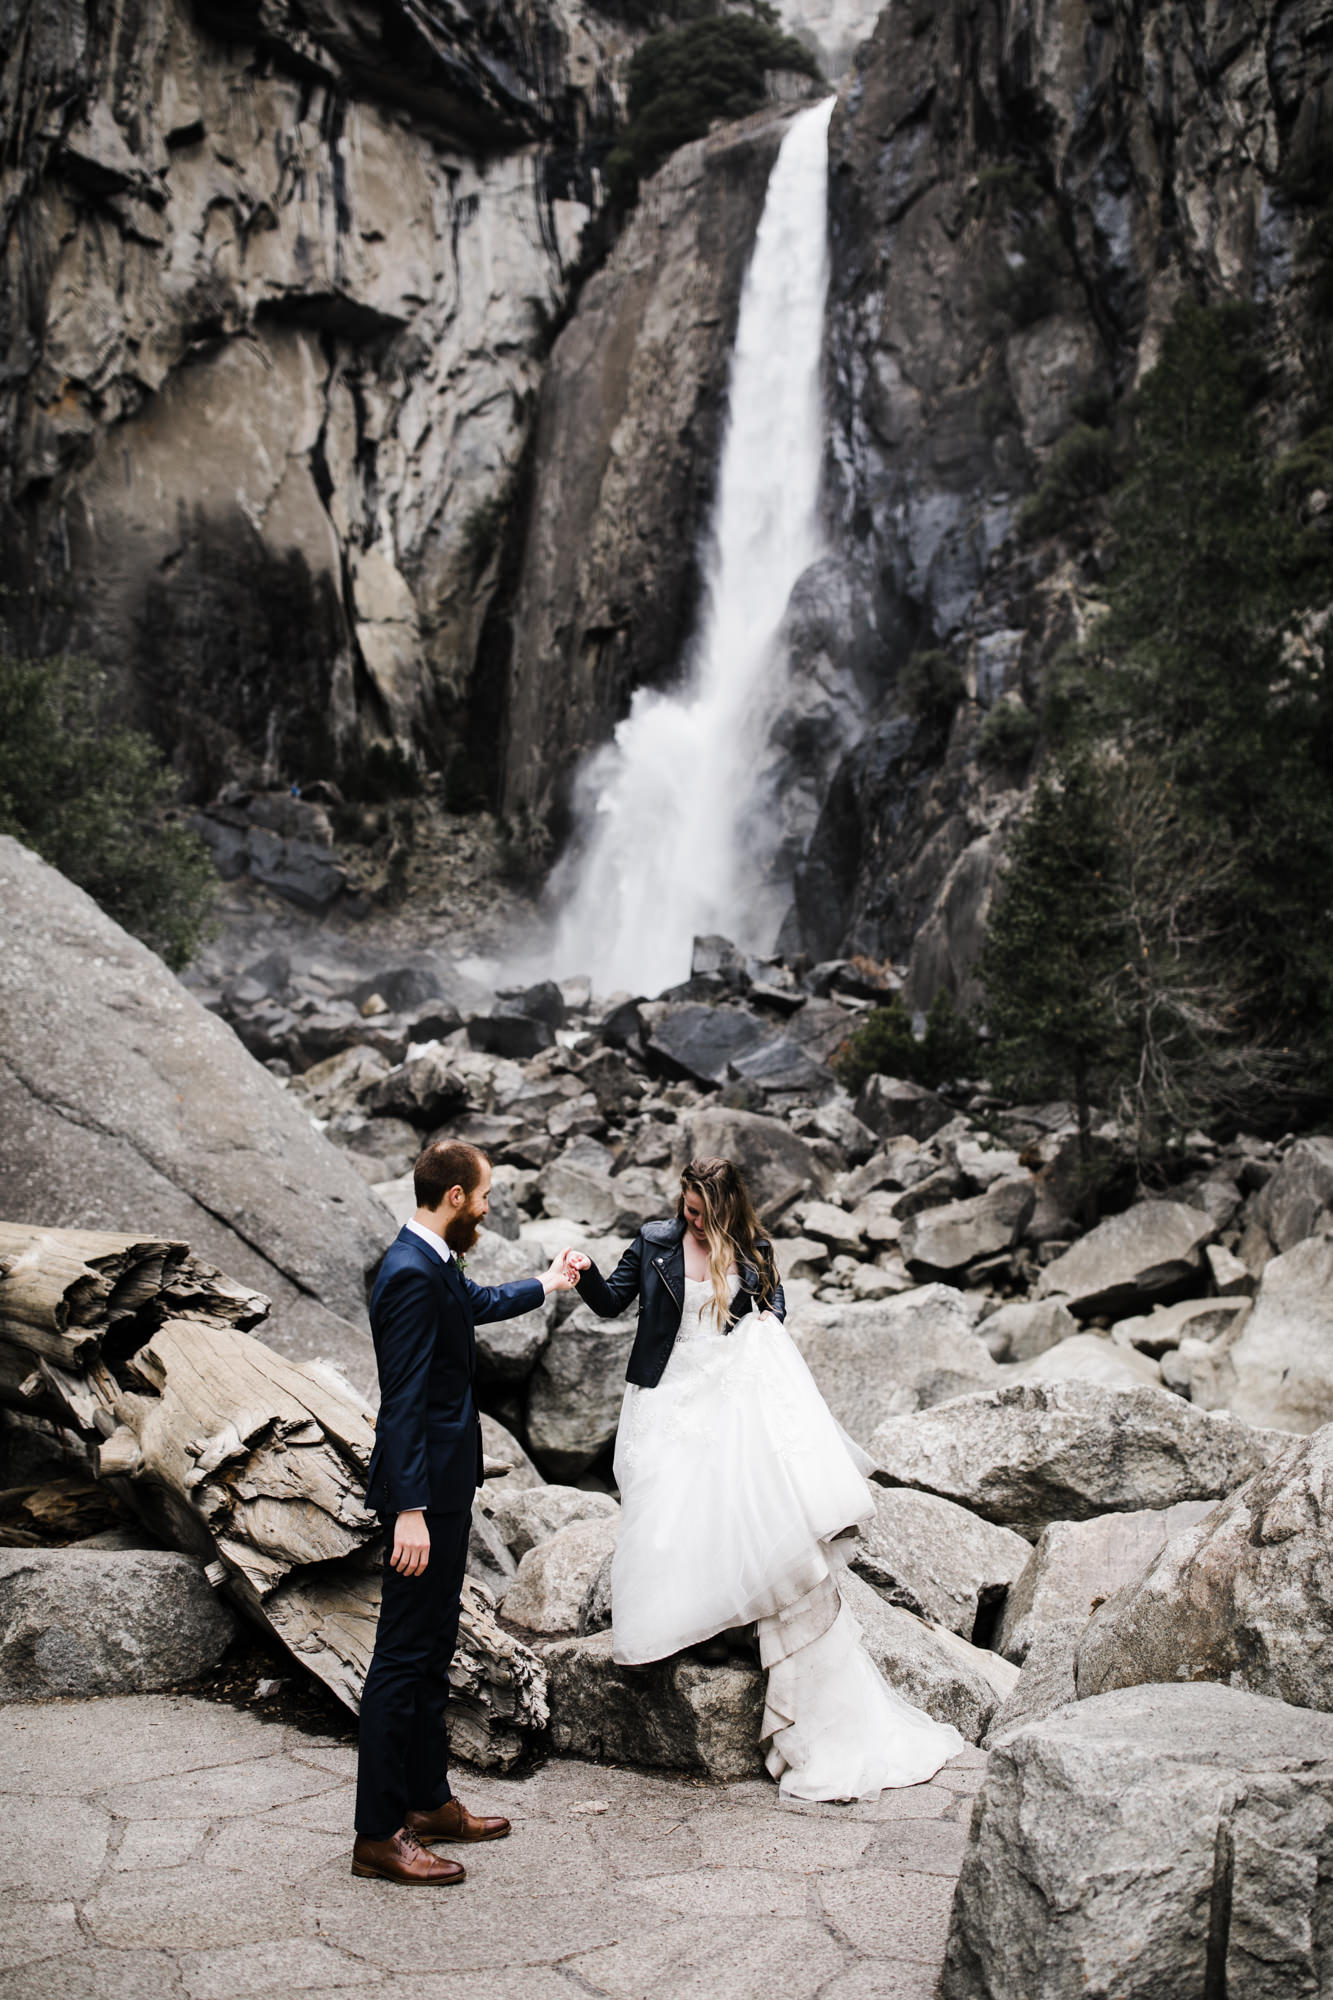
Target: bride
[734,1482]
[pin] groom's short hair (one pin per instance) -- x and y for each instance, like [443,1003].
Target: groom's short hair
[447,1163]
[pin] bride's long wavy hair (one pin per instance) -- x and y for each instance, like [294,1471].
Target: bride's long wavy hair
[733,1230]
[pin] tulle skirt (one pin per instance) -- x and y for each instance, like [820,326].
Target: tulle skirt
[734,1480]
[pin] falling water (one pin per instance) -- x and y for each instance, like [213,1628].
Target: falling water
[669,850]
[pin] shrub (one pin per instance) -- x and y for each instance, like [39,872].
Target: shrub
[91,799]
[885,1045]
[1080,467]
[1008,736]
[930,686]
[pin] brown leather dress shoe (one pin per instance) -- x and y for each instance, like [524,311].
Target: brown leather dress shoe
[453,1821]
[402,1858]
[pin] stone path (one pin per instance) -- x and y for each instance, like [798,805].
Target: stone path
[156,1845]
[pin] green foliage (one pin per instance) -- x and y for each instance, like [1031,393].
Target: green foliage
[379,773]
[930,687]
[1007,739]
[91,798]
[1080,467]
[684,78]
[884,1044]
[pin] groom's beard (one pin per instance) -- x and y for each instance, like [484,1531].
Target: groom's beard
[461,1232]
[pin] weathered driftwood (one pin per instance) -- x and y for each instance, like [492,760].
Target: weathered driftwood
[251,1462]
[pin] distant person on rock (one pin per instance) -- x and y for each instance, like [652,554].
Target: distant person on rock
[424,1471]
[735,1484]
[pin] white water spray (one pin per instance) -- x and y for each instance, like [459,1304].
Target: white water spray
[668,853]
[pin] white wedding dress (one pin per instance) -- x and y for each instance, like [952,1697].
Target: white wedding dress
[734,1480]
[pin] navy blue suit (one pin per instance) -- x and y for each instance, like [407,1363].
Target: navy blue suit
[427,1455]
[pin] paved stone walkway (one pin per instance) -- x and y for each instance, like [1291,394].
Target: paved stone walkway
[156,1845]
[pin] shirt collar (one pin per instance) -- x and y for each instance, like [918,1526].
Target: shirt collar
[430,1239]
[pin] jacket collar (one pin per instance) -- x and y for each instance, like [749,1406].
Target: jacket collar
[664,1234]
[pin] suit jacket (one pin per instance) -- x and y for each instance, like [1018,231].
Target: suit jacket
[428,1433]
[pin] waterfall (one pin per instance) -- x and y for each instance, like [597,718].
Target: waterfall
[670,844]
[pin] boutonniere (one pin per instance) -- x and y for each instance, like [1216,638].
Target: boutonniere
[461,1263]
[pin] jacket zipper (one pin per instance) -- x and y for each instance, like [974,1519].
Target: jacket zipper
[661,1272]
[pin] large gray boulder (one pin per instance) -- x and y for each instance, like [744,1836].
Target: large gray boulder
[877,1357]
[1279,1370]
[960,1233]
[554,1576]
[1087,1357]
[677,1713]
[779,1167]
[579,1183]
[892,1106]
[508,1349]
[1153,1251]
[508,1467]
[1078,1563]
[575,1392]
[700,1042]
[125,1105]
[1027,1327]
[929,1665]
[1245,1595]
[937,1559]
[526,1516]
[1045,1681]
[1298,1201]
[1163,1843]
[105,1621]
[1034,1453]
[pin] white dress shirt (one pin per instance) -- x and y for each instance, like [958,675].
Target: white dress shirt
[428,1237]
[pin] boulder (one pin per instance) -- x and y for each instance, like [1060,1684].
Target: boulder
[507,1349]
[832,1226]
[595,1610]
[1076,1564]
[1087,1357]
[578,1183]
[1152,1251]
[1282,1361]
[875,1358]
[505,1459]
[929,1665]
[554,1576]
[488,1560]
[701,1042]
[783,1067]
[1045,1681]
[425,1091]
[576,1390]
[1026,1327]
[527,1516]
[192,1140]
[1231,1278]
[778,1166]
[105,1621]
[676,1713]
[1028,1454]
[892,1107]
[1245,1595]
[897,1164]
[1166,1326]
[1163,1841]
[838,1123]
[958,1233]
[1298,1201]
[800,1257]
[543,1002]
[937,1559]
[337,1084]
[508,1032]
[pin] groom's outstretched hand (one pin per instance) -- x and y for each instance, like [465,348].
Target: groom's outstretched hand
[411,1543]
[564,1272]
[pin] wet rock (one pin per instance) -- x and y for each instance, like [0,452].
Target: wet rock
[514,1035]
[929,1665]
[554,1576]
[1217,1805]
[1078,1563]
[939,1560]
[99,1621]
[1281,1364]
[304,871]
[702,1043]
[893,1107]
[1152,1251]
[576,1390]
[876,1358]
[778,1166]
[1298,1200]
[1027,1327]
[677,1714]
[1031,1454]
[526,1517]
[1245,1595]
[959,1233]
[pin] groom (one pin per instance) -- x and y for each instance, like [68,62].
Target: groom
[424,1470]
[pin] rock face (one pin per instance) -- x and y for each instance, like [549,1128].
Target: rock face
[125,1105]
[1032,1454]
[938,1560]
[677,1713]
[1244,1596]
[878,1357]
[1157,1841]
[1077,1563]
[97,1621]
[279,299]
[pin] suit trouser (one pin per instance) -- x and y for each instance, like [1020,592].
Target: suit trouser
[403,1760]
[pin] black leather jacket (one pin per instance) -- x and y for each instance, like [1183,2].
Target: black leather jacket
[653,1271]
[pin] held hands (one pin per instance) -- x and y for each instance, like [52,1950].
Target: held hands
[411,1544]
[563,1275]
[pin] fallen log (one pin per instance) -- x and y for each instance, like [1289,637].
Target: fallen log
[143,1354]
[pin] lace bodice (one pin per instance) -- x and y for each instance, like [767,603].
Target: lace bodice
[698,1318]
